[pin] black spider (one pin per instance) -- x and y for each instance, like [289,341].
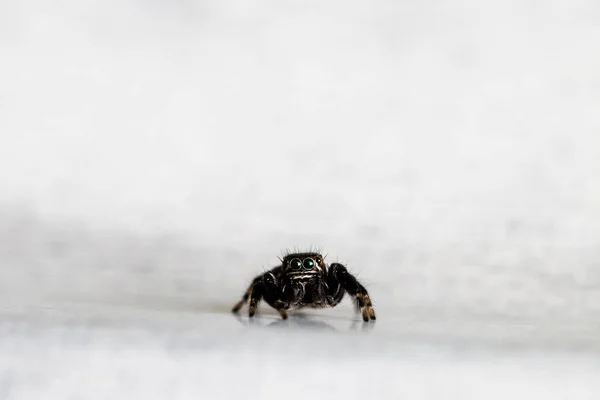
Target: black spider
[305,280]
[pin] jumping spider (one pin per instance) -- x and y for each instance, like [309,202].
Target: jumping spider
[305,280]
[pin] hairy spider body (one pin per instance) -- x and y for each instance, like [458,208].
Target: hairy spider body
[305,280]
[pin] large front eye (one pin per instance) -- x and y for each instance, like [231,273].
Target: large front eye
[295,263]
[309,263]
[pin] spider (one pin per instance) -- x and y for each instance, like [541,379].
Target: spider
[305,280]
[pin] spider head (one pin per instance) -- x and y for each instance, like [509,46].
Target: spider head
[304,262]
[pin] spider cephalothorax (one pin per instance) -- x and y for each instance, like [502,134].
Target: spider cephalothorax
[305,280]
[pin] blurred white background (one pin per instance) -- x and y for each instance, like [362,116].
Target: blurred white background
[159,154]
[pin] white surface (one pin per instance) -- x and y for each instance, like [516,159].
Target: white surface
[207,355]
[155,156]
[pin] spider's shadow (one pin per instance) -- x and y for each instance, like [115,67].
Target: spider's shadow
[302,321]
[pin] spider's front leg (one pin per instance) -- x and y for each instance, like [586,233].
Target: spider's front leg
[340,279]
[263,287]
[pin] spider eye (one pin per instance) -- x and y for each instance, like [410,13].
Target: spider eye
[318,260]
[309,263]
[295,264]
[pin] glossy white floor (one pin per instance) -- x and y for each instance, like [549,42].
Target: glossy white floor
[101,352]
[85,317]
[155,156]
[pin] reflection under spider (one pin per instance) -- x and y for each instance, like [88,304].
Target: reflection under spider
[304,322]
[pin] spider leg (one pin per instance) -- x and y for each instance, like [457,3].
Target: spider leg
[335,291]
[246,295]
[255,298]
[339,278]
[263,287]
[279,306]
